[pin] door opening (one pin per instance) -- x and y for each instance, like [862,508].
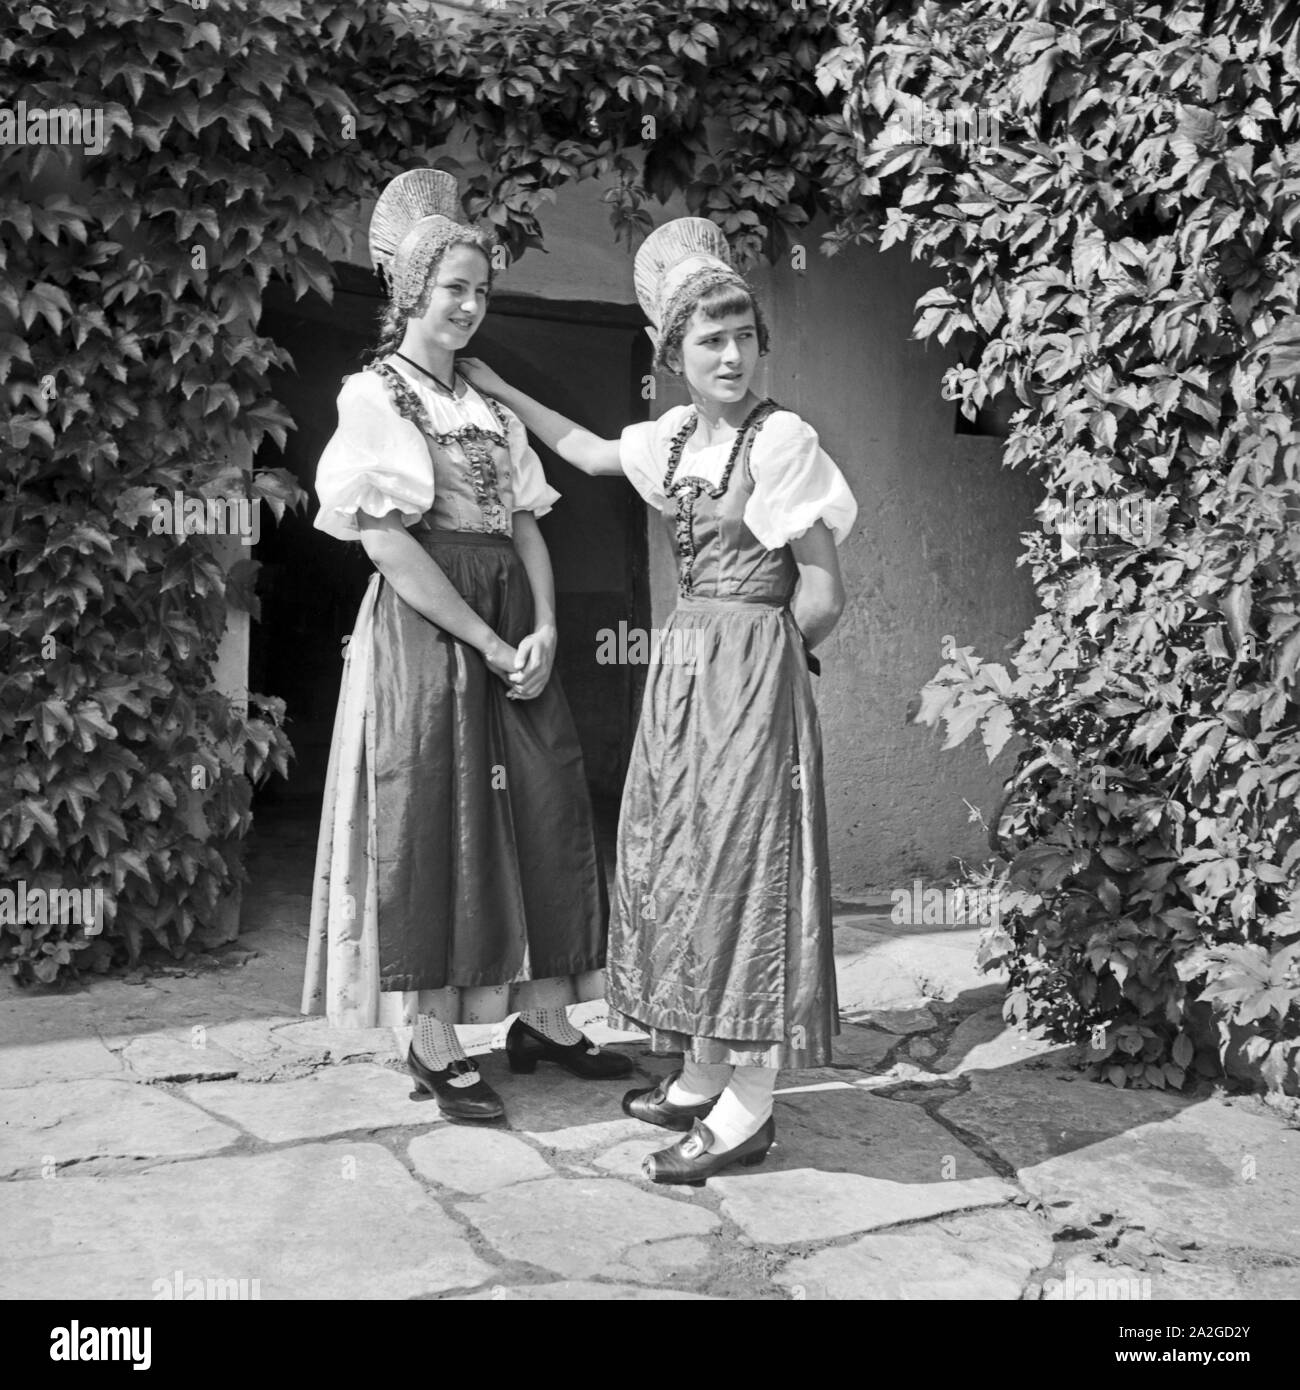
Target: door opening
[585,360]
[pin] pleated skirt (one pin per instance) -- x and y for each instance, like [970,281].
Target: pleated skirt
[721,932]
[457,871]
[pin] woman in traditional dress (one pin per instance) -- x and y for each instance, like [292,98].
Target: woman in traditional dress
[720,940]
[457,878]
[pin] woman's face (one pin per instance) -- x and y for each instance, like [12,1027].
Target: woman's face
[718,355]
[458,297]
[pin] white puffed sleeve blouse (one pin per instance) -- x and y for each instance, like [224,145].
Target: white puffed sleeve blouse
[796,483]
[378,461]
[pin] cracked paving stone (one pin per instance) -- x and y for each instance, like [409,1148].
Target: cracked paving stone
[847,1162]
[338,1100]
[475,1160]
[574,1290]
[316,1035]
[251,1040]
[582,1226]
[158,1057]
[319,1221]
[1196,1170]
[112,1121]
[980,1255]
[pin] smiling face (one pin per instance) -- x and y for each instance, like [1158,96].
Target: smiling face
[456,300]
[718,354]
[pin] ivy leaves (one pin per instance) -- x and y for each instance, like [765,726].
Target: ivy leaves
[1119,257]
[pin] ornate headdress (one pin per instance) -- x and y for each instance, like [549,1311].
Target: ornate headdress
[674,266]
[418,216]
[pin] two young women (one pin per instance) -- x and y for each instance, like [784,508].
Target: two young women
[720,933]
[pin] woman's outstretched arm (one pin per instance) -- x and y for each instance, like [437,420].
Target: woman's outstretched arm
[574,444]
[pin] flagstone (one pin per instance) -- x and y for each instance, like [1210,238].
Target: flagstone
[985,1041]
[57,1059]
[555,1108]
[111,1121]
[337,1100]
[845,1162]
[802,1204]
[316,1221]
[475,1160]
[316,1035]
[575,1226]
[574,1290]
[161,1057]
[981,1255]
[863,1049]
[883,966]
[624,1159]
[1210,1170]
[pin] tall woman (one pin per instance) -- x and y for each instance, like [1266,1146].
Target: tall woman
[720,939]
[457,878]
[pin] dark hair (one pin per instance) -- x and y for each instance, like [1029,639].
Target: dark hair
[719,301]
[392,322]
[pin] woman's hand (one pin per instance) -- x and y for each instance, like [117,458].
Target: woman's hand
[503,660]
[537,653]
[480,376]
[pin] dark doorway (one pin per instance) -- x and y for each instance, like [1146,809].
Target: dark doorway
[585,360]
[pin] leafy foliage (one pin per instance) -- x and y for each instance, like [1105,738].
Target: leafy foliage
[1123,257]
[241,141]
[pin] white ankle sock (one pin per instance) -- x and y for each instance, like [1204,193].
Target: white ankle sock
[699,1083]
[552,1023]
[437,1046]
[743,1108]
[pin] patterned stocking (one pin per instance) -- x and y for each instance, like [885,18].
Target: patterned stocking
[437,1046]
[552,1023]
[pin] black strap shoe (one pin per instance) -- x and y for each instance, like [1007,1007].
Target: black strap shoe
[654,1107]
[525,1047]
[476,1104]
[690,1162]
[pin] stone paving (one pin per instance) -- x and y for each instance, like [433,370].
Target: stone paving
[183,1128]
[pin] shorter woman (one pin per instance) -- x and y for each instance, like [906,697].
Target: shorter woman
[720,938]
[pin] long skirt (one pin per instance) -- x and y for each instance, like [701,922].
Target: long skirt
[457,871]
[720,935]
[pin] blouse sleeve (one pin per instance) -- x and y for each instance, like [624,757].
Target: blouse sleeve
[641,461]
[532,492]
[796,484]
[376,462]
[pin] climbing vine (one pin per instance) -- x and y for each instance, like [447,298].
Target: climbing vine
[1120,252]
[235,144]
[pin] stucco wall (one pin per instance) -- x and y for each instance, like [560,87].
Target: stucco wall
[933,553]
